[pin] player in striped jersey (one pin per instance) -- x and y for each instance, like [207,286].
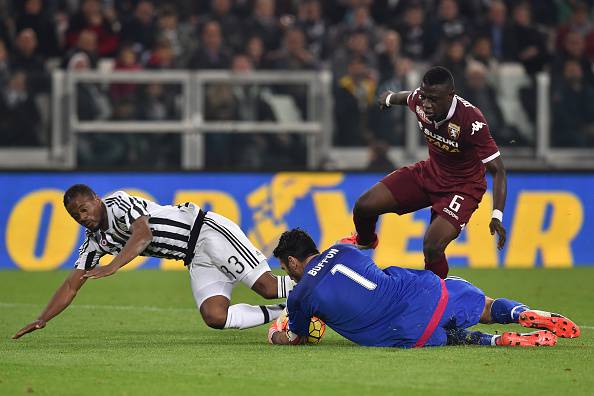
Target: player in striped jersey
[215,250]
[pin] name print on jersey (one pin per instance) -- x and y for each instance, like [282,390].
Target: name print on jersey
[314,271]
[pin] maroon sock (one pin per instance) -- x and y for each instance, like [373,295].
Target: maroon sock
[439,266]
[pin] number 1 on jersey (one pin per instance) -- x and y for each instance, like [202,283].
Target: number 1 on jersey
[349,273]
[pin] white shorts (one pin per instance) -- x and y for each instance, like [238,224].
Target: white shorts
[223,257]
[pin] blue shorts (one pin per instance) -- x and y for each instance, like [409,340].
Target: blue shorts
[466,303]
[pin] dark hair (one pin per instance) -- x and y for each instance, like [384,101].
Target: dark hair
[76,190]
[296,243]
[438,75]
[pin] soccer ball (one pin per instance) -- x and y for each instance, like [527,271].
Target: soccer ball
[317,327]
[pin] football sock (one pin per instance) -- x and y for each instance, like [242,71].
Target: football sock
[365,227]
[465,337]
[507,311]
[439,266]
[285,285]
[244,316]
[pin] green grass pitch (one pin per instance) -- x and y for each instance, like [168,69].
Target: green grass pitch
[138,333]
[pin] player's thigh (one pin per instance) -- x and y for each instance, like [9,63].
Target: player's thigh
[466,304]
[208,281]
[452,212]
[405,186]
[225,246]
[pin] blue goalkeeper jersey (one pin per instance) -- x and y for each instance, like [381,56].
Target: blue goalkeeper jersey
[364,304]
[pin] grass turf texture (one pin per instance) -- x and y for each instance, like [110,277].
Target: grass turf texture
[139,333]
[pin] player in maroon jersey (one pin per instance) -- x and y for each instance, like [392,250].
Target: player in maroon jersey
[452,181]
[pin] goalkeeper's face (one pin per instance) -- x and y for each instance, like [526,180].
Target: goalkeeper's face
[293,267]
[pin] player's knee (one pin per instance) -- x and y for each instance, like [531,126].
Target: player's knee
[364,206]
[214,319]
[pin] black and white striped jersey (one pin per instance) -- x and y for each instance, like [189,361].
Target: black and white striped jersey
[170,225]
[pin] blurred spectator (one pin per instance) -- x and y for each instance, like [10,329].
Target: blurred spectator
[450,24]
[389,53]
[19,115]
[574,48]
[481,93]
[126,61]
[211,54]
[26,59]
[162,57]
[378,158]
[4,66]
[357,46]
[91,17]
[360,21]
[310,21]
[573,118]
[34,18]
[389,125]
[354,96]
[418,43]
[578,22]
[481,52]
[498,30]
[231,26]
[141,29]
[294,55]
[255,52]
[92,103]
[455,61]
[179,35]
[87,44]
[529,45]
[264,24]
[157,103]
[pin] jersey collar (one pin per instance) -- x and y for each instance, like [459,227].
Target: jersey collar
[450,112]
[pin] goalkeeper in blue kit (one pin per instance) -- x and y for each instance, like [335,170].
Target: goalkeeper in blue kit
[397,307]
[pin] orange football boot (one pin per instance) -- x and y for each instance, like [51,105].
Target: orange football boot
[537,338]
[555,323]
[354,240]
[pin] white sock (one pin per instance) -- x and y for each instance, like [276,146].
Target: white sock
[285,285]
[244,316]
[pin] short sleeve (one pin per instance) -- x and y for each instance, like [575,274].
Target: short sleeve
[126,207]
[411,100]
[298,320]
[89,254]
[479,136]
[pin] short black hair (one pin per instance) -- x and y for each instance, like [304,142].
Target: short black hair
[438,75]
[296,243]
[76,190]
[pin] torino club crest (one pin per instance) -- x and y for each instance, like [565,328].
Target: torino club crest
[453,130]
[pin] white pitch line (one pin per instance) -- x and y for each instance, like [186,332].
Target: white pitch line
[110,307]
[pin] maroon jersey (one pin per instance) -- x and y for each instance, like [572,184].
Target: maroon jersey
[459,145]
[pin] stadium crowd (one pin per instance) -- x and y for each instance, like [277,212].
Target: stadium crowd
[368,45]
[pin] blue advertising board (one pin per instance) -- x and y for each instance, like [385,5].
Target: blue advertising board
[546,216]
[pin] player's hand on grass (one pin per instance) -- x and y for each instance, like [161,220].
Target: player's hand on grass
[496,227]
[381,100]
[36,325]
[101,272]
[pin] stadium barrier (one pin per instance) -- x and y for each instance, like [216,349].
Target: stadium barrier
[545,216]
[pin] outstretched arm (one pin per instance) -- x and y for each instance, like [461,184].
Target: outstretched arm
[389,98]
[139,240]
[497,170]
[61,299]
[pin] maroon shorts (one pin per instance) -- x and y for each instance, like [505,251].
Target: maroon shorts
[415,187]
